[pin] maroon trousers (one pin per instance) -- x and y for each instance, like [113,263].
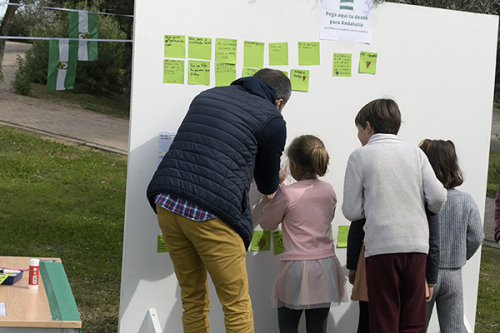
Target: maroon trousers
[396,290]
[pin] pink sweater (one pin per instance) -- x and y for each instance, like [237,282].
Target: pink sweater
[306,210]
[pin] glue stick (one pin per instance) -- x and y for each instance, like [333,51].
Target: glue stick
[34,274]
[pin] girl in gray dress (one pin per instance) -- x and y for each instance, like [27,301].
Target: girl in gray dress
[461,234]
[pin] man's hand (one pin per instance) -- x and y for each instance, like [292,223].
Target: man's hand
[352,276]
[270,197]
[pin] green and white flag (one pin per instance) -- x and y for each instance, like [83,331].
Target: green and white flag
[83,25]
[63,58]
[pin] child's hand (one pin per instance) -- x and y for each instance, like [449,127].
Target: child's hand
[431,291]
[352,276]
[283,174]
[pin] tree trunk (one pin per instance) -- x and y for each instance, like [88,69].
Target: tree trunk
[4,31]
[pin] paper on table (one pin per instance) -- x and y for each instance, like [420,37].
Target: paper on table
[3,312]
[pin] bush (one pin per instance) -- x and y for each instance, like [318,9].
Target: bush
[22,80]
[101,77]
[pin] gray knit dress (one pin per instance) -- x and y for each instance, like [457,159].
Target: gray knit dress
[461,234]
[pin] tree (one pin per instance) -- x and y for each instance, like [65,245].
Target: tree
[475,6]
[4,31]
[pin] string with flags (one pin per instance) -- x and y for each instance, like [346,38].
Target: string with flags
[64,53]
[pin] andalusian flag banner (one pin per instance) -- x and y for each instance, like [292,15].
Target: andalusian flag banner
[63,58]
[83,25]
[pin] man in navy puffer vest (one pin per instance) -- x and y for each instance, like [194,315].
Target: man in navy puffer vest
[200,192]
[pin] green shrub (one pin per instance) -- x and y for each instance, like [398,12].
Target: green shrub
[493,175]
[22,80]
[101,77]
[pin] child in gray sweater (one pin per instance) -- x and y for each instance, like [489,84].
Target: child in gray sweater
[461,234]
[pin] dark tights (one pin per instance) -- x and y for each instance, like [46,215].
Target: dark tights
[316,319]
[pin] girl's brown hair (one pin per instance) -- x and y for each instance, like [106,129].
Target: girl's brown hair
[309,152]
[443,158]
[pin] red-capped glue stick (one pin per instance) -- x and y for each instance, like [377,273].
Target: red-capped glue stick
[34,274]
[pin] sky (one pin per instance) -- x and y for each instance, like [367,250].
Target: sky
[3,8]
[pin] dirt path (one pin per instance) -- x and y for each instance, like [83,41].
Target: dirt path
[55,120]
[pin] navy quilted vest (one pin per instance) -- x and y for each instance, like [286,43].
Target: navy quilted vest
[211,161]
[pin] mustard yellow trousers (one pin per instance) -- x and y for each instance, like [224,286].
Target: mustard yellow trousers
[196,247]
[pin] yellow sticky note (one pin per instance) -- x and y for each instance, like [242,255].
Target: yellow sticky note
[261,240]
[225,50]
[200,48]
[278,54]
[3,277]
[253,55]
[368,63]
[342,236]
[299,79]
[278,242]
[173,71]
[342,64]
[161,247]
[199,72]
[309,53]
[249,71]
[224,74]
[175,46]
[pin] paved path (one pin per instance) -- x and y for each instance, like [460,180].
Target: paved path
[109,133]
[56,120]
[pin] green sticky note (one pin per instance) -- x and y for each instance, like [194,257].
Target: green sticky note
[342,64]
[161,247]
[278,242]
[173,71]
[225,50]
[278,54]
[342,236]
[3,277]
[200,48]
[368,62]
[175,46]
[199,72]
[261,240]
[309,53]
[285,72]
[249,71]
[299,79]
[254,54]
[224,74]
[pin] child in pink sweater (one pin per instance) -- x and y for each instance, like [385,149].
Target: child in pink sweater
[310,276]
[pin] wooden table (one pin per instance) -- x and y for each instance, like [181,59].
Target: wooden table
[49,309]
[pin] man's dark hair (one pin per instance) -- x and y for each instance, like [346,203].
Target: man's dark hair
[278,81]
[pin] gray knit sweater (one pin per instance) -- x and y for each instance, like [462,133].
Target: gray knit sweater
[460,229]
[388,182]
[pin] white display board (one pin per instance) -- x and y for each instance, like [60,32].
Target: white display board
[439,66]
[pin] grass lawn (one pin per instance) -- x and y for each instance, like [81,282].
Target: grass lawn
[66,201]
[117,106]
[488,298]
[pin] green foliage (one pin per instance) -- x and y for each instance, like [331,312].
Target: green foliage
[28,17]
[493,175]
[475,6]
[488,298]
[22,80]
[101,77]
[66,202]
